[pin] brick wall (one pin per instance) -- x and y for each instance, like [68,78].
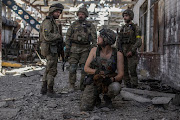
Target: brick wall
[164,66]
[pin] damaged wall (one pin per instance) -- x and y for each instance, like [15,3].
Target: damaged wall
[162,61]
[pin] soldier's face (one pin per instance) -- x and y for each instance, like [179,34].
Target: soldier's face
[56,14]
[81,16]
[100,40]
[127,18]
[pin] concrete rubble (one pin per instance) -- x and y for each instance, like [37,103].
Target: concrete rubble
[20,99]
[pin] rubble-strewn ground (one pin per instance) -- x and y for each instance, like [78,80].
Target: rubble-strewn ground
[20,99]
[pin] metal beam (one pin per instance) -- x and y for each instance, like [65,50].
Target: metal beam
[84,2]
[35,7]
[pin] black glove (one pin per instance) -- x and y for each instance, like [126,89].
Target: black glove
[107,81]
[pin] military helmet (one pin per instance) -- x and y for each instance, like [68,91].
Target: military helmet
[84,10]
[57,6]
[109,36]
[129,12]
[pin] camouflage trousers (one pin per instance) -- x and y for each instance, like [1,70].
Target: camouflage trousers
[91,94]
[51,69]
[130,74]
[74,59]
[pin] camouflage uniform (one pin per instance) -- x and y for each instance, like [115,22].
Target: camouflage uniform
[49,37]
[80,38]
[130,40]
[90,96]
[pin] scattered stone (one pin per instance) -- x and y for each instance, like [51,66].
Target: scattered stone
[2,104]
[95,118]
[8,112]
[52,105]
[161,100]
[67,115]
[84,114]
[105,109]
[31,94]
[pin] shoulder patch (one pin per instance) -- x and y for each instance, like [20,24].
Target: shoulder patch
[45,29]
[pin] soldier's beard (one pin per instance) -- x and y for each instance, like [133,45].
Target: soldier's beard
[127,21]
[81,19]
[102,45]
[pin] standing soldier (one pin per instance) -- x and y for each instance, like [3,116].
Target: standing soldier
[50,37]
[80,38]
[129,41]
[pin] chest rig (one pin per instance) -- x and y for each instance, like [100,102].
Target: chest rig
[81,33]
[127,34]
[107,65]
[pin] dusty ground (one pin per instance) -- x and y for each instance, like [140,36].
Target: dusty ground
[20,99]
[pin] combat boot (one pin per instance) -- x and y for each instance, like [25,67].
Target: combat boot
[44,88]
[98,102]
[71,88]
[51,93]
[108,102]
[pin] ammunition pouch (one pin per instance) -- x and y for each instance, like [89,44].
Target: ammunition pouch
[88,80]
[44,48]
[53,48]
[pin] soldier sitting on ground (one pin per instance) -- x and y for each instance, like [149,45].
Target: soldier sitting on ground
[101,67]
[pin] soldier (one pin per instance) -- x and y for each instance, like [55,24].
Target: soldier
[49,37]
[80,38]
[129,41]
[101,67]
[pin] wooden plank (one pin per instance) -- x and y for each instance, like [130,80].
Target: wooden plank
[8,64]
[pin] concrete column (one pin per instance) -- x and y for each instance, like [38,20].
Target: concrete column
[3,9]
[0,35]
[9,13]
[148,25]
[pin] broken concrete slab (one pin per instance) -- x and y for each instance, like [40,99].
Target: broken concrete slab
[149,93]
[31,73]
[131,96]
[161,100]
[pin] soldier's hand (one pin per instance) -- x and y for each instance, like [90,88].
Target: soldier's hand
[107,81]
[129,54]
[60,40]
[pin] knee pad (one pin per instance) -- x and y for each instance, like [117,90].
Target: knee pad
[114,89]
[73,68]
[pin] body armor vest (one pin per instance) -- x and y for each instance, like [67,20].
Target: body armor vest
[109,66]
[127,34]
[81,33]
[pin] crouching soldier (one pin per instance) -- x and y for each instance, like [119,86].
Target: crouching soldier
[50,37]
[101,65]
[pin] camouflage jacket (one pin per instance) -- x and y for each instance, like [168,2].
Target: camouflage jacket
[129,38]
[49,31]
[49,36]
[81,36]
